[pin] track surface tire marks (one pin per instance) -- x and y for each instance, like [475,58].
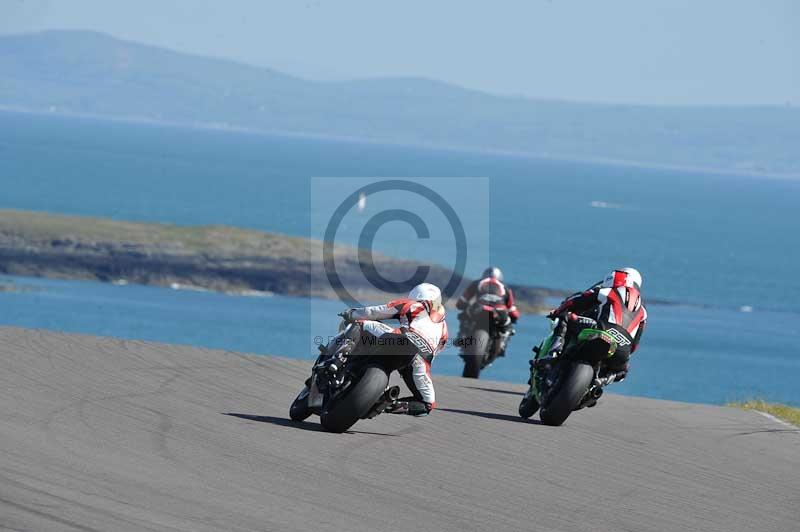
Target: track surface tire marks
[100,434]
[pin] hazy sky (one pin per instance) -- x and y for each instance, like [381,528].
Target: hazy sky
[650,51]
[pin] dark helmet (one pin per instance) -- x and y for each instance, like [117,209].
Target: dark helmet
[493,272]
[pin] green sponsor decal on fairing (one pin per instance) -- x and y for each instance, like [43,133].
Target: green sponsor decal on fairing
[587,335]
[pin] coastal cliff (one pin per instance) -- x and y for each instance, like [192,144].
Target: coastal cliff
[220,258]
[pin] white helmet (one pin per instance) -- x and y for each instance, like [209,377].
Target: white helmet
[623,277]
[634,277]
[427,292]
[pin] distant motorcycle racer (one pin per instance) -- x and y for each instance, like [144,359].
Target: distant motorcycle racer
[491,281]
[422,332]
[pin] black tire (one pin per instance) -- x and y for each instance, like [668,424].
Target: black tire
[474,353]
[343,411]
[299,411]
[571,390]
[528,406]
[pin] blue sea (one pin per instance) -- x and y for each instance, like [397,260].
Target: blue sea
[723,248]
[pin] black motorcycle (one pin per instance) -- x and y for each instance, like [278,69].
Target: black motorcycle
[347,383]
[485,330]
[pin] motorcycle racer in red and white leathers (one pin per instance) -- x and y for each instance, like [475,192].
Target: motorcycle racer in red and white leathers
[614,303]
[422,333]
[491,282]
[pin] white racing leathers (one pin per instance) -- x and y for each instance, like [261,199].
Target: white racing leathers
[423,332]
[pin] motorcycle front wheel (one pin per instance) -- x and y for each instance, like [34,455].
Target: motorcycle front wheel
[299,411]
[528,406]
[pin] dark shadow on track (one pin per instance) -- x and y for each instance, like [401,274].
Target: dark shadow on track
[283,422]
[492,415]
[303,425]
[494,390]
[371,433]
[766,431]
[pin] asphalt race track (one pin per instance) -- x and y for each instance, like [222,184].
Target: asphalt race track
[102,435]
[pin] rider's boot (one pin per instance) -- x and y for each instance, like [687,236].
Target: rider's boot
[410,406]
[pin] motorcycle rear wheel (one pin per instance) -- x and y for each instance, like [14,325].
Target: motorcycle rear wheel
[571,390]
[474,353]
[344,410]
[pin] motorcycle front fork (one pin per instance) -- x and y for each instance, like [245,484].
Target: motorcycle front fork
[330,361]
[315,396]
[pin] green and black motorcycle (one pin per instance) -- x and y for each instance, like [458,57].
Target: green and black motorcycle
[567,378]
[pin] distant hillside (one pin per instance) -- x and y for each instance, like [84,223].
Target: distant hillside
[90,73]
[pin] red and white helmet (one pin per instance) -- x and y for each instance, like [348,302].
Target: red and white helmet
[629,277]
[493,272]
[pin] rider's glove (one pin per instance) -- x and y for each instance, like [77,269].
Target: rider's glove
[582,321]
[346,315]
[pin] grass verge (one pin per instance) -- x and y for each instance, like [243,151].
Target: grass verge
[789,414]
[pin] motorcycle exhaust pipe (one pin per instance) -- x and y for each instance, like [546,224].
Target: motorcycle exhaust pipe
[389,396]
[597,392]
[392,394]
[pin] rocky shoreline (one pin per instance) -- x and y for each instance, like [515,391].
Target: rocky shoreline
[219,258]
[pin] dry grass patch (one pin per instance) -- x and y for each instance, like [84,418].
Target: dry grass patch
[789,414]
